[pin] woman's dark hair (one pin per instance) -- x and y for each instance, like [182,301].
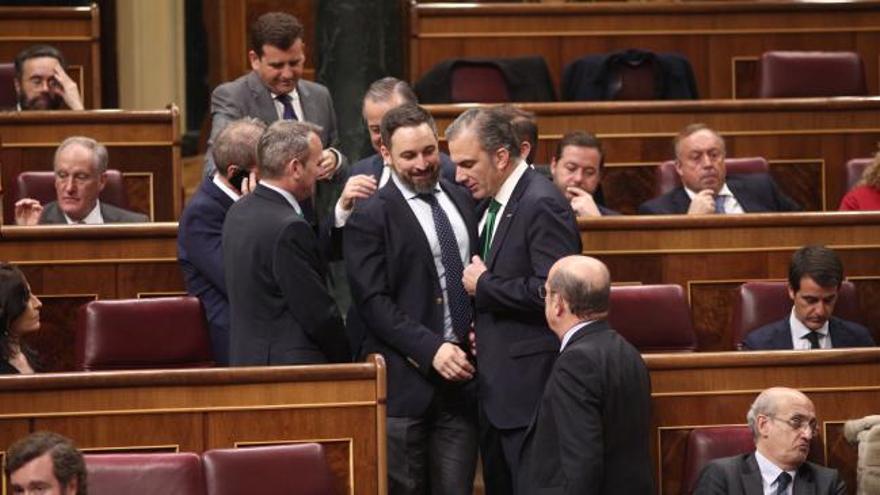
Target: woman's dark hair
[14,295]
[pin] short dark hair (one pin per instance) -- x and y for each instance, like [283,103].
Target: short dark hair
[584,140]
[278,29]
[384,90]
[14,296]
[583,297]
[37,51]
[525,125]
[817,262]
[67,461]
[691,129]
[406,115]
[493,129]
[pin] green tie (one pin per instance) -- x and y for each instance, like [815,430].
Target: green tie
[489,227]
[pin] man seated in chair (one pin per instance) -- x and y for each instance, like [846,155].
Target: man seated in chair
[41,82]
[577,169]
[783,421]
[706,189]
[814,278]
[80,175]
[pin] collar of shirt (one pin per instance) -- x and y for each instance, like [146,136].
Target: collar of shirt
[289,197]
[504,193]
[294,101]
[731,205]
[799,331]
[571,331]
[223,187]
[769,473]
[94,217]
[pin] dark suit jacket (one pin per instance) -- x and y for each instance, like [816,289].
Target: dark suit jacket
[397,292]
[280,309]
[516,349]
[591,431]
[740,475]
[200,254]
[777,335]
[373,164]
[52,215]
[755,193]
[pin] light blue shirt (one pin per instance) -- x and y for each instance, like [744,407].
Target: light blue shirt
[571,331]
[769,473]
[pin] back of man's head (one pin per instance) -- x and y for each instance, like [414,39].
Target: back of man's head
[390,88]
[68,464]
[817,262]
[491,126]
[585,285]
[36,51]
[237,144]
[282,142]
[278,29]
[525,125]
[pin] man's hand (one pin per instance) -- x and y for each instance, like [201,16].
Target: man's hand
[703,203]
[357,187]
[27,211]
[327,165]
[472,340]
[583,203]
[452,363]
[472,273]
[249,183]
[67,89]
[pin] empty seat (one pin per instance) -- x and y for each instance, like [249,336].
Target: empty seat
[478,83]
[629,75]
[487,80]
[653,318]
[759,303]
[166,332]
[41,187]
[706,444]
[668,178]
[145,474]
[273,470]
[789,74]
[854,170]
[8,98]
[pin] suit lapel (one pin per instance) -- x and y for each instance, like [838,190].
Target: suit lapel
[750,475]
[310,112]
[743,196]
[262,99]
[680,200]
[804,484]
[376,166]
[216,193]
[782,338]
[507,216]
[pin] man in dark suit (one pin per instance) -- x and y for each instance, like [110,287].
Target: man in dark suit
[782,421]
[577,169]
[706,189]
[280,309]
[526,225]
[80,176]
[814,278]
[592,428]
[405,250]
[200,230]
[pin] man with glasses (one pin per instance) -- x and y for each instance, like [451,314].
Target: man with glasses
[783,421]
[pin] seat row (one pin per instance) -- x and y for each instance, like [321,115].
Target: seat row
[268,470]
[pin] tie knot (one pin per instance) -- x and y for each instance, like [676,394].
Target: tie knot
[427,198]
[494,206]
[782,482]
[284,98]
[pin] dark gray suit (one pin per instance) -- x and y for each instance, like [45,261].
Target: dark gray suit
[740,475]
[777,335]
[755,193]
[52,215]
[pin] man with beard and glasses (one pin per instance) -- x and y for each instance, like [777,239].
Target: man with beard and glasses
[41,82]
[405,250]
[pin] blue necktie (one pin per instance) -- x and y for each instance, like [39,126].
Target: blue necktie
[719,203]
[782,482]
[459,301]
[285,100]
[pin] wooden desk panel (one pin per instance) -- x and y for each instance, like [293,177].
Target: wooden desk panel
[807,141]
[722,40]
[144,145]
[339,406]
[76,31]
[711,256]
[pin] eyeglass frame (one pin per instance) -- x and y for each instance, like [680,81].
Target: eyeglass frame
[797,424]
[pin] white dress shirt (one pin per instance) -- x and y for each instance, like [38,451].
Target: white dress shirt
[294,101]
[571,331]
[503,196]
[731,205]
[769,473]
[799,330]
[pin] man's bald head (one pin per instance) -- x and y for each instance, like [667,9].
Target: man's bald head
[583,283]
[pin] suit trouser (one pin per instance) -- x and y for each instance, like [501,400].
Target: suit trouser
[435,453]
[500,449]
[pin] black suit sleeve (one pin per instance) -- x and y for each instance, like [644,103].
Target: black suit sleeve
[207,240]
[295,269]
[366,264]
[712,481]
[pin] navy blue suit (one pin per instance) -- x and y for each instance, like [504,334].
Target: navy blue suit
[200,254]
[755,193]
[373,164]
[777,335]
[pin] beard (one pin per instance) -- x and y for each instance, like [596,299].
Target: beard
[423,184]
[43,101]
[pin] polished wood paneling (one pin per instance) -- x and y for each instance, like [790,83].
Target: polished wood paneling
[721,39]
[806,141]
[709,256]
[705,389]
[76,31]
[144,145]
[341,406]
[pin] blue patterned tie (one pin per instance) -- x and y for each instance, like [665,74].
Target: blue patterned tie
[459,301]
[719,203]
[288,107]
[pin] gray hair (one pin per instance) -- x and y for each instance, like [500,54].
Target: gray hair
[283,141]
[386,88]
[237,144]
[99,151]
[692,129]
[585,296]
[492,127]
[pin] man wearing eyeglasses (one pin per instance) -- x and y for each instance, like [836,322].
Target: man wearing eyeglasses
[783,421]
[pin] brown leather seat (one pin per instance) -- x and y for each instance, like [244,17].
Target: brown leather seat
[653,318]
[145,474]
[273,470]
[789,74]
[760,303]
[41,186]
[166,332]
[668,179]
[8,99]
[854,170]
[476,82]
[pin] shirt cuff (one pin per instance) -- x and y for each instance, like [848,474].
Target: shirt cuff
[340,216]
